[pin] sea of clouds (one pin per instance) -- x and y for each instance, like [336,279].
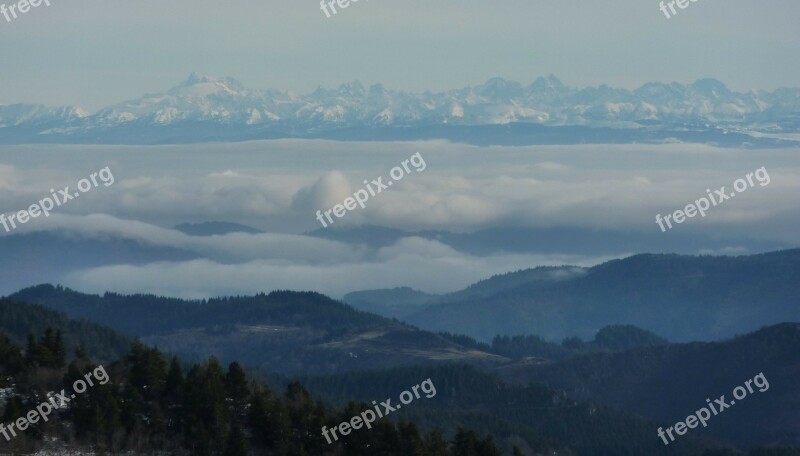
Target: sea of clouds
[277,186]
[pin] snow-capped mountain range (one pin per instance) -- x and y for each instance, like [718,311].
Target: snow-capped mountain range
[206,108]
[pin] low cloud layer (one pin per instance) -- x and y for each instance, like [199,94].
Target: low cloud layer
[277,186]
[426,265]
[239,263]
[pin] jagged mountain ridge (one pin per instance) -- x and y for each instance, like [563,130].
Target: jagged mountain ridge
[226,104]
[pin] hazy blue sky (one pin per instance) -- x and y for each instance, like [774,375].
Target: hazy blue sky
[95,52]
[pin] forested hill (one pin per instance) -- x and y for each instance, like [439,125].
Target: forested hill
[145,403]
[584,419]
[19,320]
[142,315]
[669,382]
[540,417]
[682,298]
[286,332]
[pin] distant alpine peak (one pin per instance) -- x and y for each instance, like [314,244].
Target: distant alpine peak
[499,88]
[711,87]
[197,79]
[353,88]
[498,101]
[547,82]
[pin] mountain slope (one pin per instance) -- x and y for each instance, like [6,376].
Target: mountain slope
[19,319]
[534,417]
[285,332]
[668,383]
[394,303]
[148,403]
[679,297]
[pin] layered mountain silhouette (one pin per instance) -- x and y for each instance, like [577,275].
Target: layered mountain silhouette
[680,297]
[613,400]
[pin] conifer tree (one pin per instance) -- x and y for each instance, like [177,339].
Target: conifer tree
[236,387]
[435,443]
[236,444]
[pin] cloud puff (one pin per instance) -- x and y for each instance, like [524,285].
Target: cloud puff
[324,193]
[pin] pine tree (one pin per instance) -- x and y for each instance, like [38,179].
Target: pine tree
[236,387]
[465,443]
[411,442]
[236,444]
[204,408]
[270,422]
[306,418]
[37,354]
[54,343]
[148,370]
[80,354]
[59,350]
[11,361]
[435,444]
[173,396]
[14,409]
[174,382]
[488,448]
